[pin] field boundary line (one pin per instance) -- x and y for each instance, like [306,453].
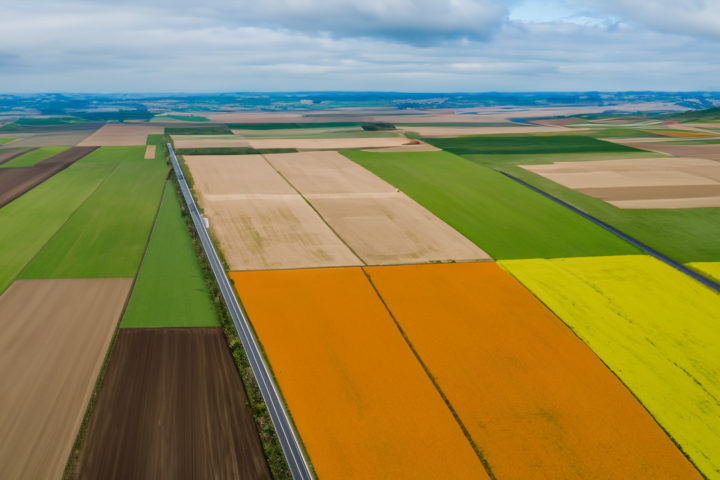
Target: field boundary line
[458,420]
[708,282]
[316,212]
[297,462]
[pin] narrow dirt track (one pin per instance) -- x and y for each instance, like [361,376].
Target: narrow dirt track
[172,405]
[14,182]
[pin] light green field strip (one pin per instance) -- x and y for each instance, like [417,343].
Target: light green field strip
[34,157]
[502,217]
[170,290]
[106,237]
[27,223]
[656,328]
[709,269]
[4,140]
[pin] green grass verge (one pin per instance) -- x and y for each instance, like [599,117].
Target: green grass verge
[106,236]
[185,118]
[4,140]
[686,234]
[501,216]
[28,222]
[233,151]
[268,436]
[518,144]
[288,126]
[33,157]
[209,130]
[170,290]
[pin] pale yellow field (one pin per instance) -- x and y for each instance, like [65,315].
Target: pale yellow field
[671,182]
[361,401]
[381,225]
[120,134]
[150,152]
[656,328]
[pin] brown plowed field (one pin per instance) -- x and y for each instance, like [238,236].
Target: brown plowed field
[536,400]
[172,405]
[120,134]
[55,335]
[18,180]
[382,225]
[709,151]
[7,155]
[259,219]
[671,182]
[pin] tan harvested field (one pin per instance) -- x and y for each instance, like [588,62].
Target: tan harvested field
[330,143]
[235,174]
[439,132]
[381,225]
[55,335]
[56,137]
[260,220]
[671,182]
[709,151]
[228,141]
[393,229]
[121,134]
[280,231]
[150,152]
[326,172]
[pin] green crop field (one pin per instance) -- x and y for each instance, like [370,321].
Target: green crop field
[27,223]
[504,144]
[33,157]
[685,234]
[501,216]
[170,290]
[106,236]
[287,126]
[5,140]
[208,130]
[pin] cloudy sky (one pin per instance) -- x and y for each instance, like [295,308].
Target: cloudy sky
[378,45]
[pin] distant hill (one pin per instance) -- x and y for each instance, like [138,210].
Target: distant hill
[707,115]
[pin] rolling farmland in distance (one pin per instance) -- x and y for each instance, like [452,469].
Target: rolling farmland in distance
[421,313]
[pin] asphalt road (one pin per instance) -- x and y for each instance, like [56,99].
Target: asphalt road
[708,282]
[289,442]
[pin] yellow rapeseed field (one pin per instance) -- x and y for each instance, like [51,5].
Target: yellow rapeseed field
[709,269]
[363,404]
[656,328]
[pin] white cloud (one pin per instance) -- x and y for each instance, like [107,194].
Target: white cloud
[123,46]
[686,17]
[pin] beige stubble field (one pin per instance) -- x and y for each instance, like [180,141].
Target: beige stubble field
[55,335]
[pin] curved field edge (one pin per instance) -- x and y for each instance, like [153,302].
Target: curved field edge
[491,210]
[626,309]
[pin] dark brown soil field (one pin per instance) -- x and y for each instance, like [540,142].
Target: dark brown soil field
[16,181]
[172,405]
[7,155]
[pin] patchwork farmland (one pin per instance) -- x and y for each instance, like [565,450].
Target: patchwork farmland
[422,313]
